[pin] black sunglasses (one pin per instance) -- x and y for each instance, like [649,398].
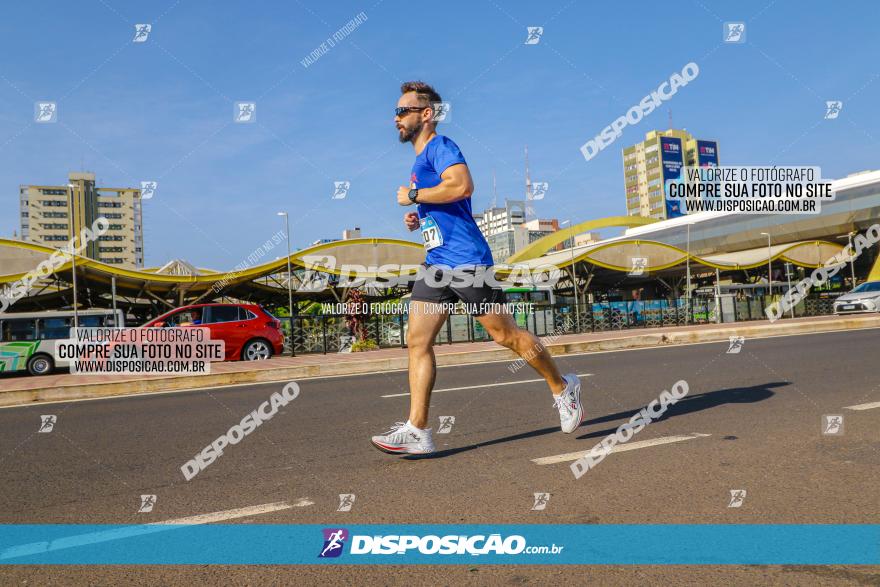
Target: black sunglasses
[400,110]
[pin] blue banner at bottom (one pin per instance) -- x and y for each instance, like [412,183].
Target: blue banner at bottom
[271,544]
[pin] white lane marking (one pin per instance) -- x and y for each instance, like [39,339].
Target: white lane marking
[254,510]
[138,530]
[303,502]
[869,406]
[483,385]
[573,456]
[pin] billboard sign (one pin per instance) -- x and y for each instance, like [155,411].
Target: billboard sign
[707,154]
[673,161]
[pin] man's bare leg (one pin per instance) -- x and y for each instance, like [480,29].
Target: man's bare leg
[425,321]
[505,332]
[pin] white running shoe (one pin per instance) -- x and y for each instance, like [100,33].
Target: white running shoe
[571,412]
[404,438]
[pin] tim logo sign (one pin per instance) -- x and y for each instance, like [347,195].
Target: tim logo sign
[334,540]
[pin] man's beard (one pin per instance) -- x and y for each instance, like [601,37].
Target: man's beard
[408,134]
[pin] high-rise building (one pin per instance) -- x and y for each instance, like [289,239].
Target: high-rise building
[51,215]
[496,219]
[350,233]
[660,157]
[507,230]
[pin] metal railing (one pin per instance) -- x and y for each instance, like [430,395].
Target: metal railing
[330,333]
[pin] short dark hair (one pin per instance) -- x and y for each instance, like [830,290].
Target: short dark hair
[426,93]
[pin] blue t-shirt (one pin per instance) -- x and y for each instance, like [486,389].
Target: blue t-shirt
[463,243]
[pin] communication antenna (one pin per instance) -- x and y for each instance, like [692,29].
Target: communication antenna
[670,118]
[494,190]
[528,179]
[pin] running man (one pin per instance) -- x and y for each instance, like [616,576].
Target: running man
[441,189]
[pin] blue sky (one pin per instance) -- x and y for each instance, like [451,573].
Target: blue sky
[162,110]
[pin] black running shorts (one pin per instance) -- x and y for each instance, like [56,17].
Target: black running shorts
[435,286]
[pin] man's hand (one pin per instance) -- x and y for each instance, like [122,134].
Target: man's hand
[403,196]
[411,219]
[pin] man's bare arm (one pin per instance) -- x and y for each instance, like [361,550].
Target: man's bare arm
[456,184]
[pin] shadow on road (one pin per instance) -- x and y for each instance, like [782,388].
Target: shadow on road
[697,403]
[688,405]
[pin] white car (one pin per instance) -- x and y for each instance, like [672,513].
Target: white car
[864,298]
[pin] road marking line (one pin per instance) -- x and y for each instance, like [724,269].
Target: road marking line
[404,369]
[139,530]
[254,510]
[483,385]
[869,406]
[573,456]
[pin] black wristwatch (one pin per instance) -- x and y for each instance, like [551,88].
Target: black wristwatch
[413,194]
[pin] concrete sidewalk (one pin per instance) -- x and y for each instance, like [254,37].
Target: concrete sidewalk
[19,389]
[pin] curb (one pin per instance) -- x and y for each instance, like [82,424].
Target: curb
[646,340]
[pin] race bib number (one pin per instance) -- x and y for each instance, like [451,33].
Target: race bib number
[430,233]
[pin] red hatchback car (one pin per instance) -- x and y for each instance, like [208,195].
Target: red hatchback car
[250,332]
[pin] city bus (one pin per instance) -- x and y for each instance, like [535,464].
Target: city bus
[27,339]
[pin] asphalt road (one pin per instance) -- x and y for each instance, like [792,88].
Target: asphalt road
[751,421]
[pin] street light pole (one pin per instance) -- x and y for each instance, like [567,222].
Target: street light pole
[852,261]
[687,297]
[577,309]
[788,277]
[769,264]
[72,228]
[289,280]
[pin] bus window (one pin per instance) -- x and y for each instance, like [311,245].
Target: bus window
[54,328]
[92,321]
[19,329]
